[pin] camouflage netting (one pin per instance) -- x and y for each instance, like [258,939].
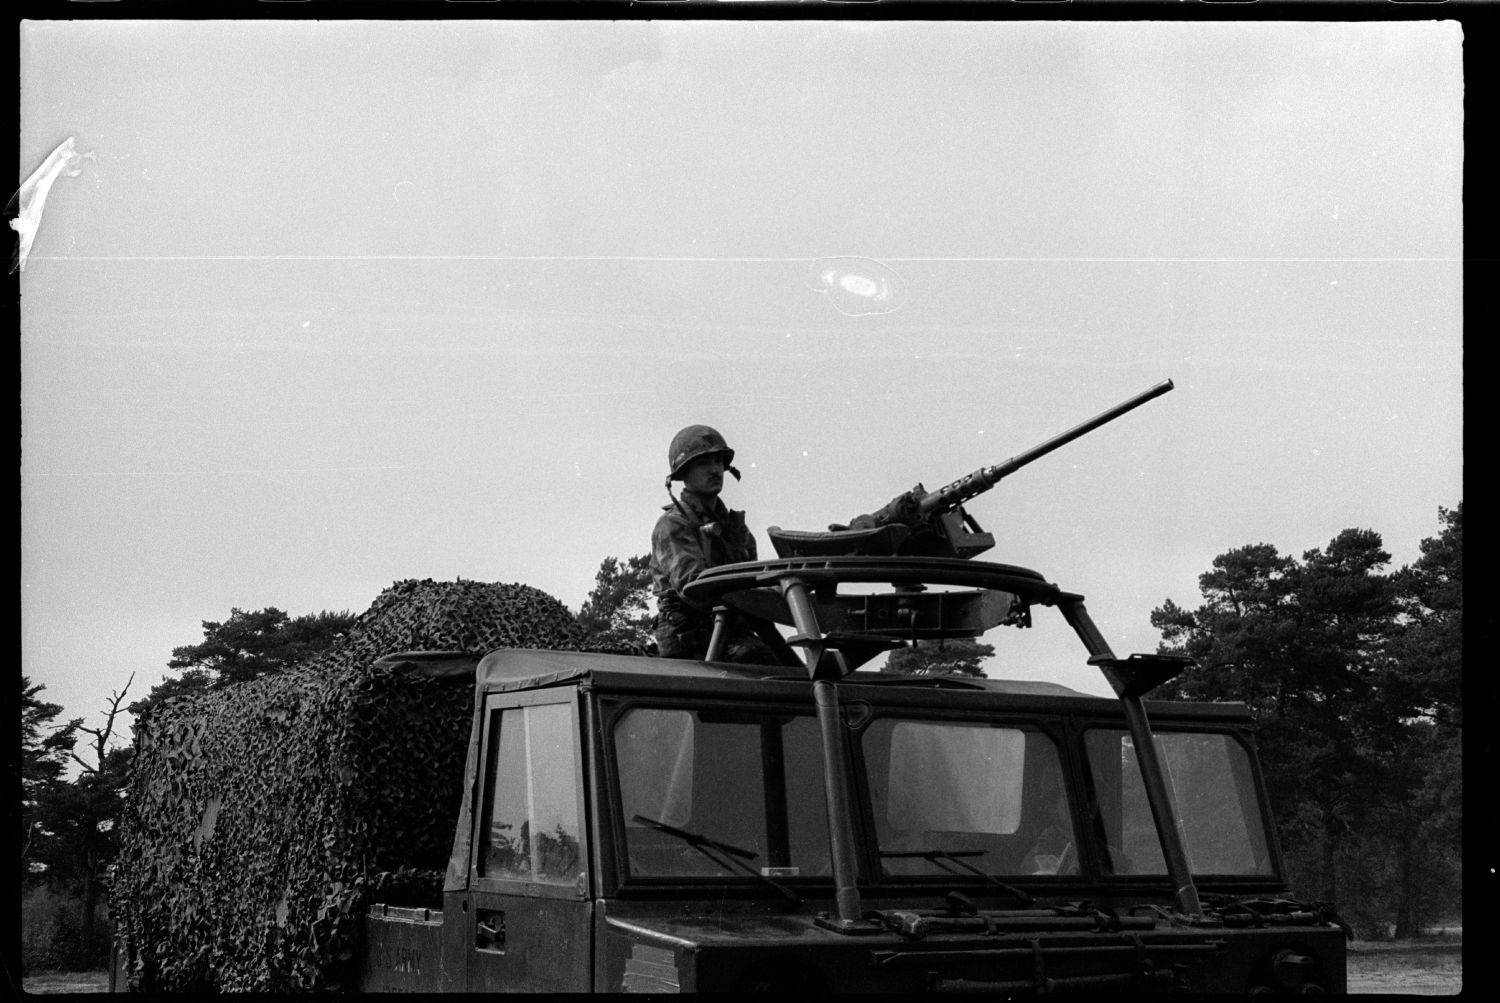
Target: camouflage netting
[263,818]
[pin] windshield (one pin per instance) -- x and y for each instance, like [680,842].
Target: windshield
[1213,794]
[730,794]
[948,797]
[750,781]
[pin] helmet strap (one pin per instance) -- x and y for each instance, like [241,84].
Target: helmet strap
[677,502]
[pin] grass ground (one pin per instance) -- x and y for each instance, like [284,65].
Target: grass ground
[1427,967]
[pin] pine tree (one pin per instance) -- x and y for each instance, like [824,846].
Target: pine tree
[956,656]
[1353,675]
[243,647]
[616,614]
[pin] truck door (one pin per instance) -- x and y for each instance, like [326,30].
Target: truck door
[530,916]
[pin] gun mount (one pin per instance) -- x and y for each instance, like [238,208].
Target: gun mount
[803,593]
[838,632]
[921,538]
[922,523]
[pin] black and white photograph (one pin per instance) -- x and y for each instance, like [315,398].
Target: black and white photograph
[667,503]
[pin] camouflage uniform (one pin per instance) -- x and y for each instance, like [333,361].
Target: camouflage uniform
[695,533]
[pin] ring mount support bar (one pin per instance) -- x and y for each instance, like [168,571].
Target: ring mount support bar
[1140,674]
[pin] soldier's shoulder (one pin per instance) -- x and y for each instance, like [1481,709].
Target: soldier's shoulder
[669,520]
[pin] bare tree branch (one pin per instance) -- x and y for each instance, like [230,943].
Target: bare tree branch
[103,735]
[109,723]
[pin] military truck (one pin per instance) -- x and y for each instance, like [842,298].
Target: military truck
[634,824]
[653,825]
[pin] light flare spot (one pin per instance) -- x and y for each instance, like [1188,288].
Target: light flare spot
[858,286]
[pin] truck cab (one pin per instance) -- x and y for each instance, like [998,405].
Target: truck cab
[637,824]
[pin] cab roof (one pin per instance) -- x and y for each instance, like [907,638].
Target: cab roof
[512,669]
[528,668]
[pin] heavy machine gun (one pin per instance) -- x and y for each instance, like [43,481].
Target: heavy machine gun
[922,523]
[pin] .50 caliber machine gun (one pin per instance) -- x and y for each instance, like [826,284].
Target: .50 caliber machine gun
[922,523]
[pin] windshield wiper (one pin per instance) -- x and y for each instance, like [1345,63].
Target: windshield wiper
[956,857]
[734,856]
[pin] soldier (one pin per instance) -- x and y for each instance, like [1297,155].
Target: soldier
[695,532]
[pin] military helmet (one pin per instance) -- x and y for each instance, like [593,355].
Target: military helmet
[691,443]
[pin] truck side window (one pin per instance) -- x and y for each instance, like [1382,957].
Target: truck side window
[530,830]
[1209,780]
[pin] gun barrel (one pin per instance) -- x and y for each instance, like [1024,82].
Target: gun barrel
[985,478]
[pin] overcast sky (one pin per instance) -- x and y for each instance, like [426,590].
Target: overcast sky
[336,304]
